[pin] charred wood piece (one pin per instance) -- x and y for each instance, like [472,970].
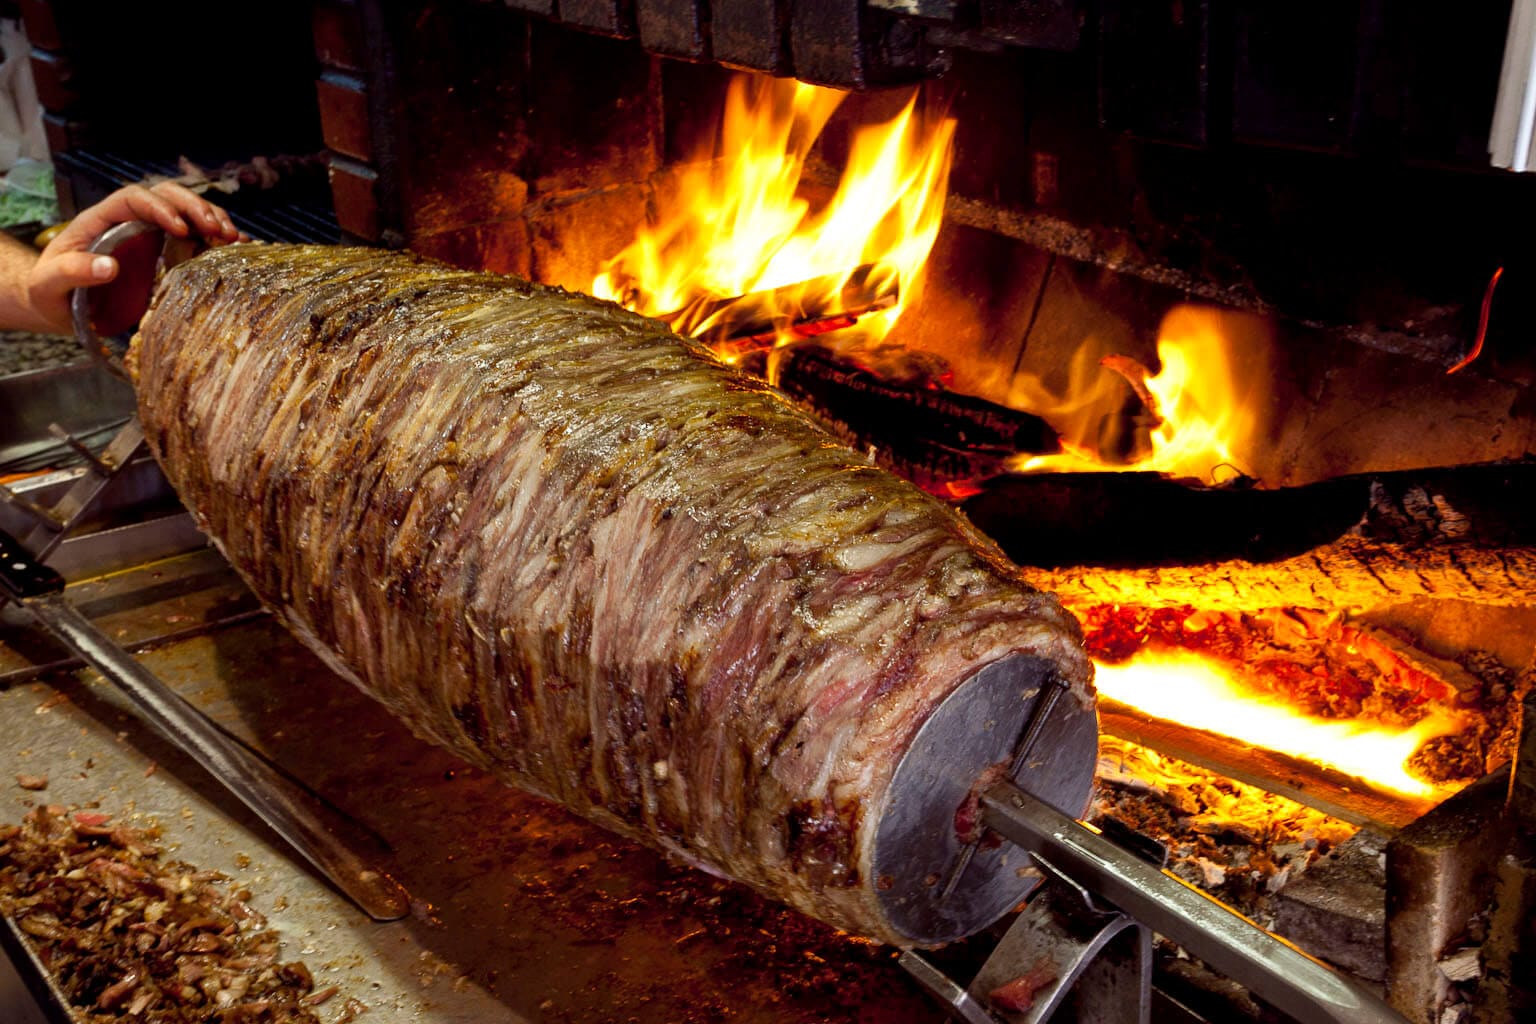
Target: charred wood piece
[740,324]
[1327,790]
[1143,521]
[934,437]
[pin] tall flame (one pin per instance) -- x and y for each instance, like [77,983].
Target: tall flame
[739,242]
[1183,687]
[1203,410]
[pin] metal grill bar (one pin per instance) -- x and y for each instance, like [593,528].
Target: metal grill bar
[263,215]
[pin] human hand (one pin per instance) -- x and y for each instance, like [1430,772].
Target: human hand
[66,264]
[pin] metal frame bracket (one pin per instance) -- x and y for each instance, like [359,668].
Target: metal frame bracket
[1067,953]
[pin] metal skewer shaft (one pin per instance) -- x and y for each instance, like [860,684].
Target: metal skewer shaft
[307,823]
[1277,972]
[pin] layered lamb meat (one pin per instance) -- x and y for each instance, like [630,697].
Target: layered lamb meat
[579,551]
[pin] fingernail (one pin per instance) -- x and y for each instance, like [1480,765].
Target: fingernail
[102,267]
[179,224]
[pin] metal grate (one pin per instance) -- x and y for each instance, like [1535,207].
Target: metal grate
[291,212]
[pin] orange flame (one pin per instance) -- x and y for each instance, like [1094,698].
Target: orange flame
[1181,686]
[739,243]
[1206,408]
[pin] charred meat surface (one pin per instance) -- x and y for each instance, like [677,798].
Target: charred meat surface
[580,552]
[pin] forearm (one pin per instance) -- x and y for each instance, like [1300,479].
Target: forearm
[16,309]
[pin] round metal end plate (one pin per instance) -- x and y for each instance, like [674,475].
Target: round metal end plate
[977,727]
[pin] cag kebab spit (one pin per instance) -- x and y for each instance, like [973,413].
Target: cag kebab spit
[580,552]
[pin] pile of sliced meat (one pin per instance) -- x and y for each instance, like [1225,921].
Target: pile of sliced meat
[131,936]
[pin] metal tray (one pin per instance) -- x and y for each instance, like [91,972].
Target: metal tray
[521,911]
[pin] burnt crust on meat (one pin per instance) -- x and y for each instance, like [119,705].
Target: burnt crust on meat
[580,552]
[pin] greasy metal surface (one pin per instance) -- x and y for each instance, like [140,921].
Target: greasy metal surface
[122,547]
[161,600]
[348,856]
[80,398]
[140,483]
[521,911]
[1272,969]
[28,994]
[976,728]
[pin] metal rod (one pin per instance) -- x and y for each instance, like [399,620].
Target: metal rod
[82,494]
[91,458]
[1273,969]
[44,518]
[319,832]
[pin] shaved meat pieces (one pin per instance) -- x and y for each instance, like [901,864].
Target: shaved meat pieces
[128,935]
[573,547]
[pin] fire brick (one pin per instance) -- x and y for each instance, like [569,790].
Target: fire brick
[343,102]
[1439,873]
[1338,909]
[1508,991]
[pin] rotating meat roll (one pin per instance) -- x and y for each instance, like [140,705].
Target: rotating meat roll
[580,552]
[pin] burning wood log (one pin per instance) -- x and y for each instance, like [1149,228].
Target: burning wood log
[1334,793]
[1130,519]
[938,439]
[1353,542]
[1348,574]
[738,325]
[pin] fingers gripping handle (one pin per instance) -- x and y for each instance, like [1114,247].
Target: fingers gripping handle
[104,311]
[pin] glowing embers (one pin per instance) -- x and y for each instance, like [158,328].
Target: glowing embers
[738,254]
[1227,837]
[1185,687]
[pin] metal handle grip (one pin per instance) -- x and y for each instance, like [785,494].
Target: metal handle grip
[1276,971]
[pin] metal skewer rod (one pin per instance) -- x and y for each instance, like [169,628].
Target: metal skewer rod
[1274,970]
[307,823]
[336,845]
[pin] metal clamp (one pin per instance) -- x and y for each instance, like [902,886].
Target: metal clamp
[103,312]
[1059,949]
[1087,932]
[54,524]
